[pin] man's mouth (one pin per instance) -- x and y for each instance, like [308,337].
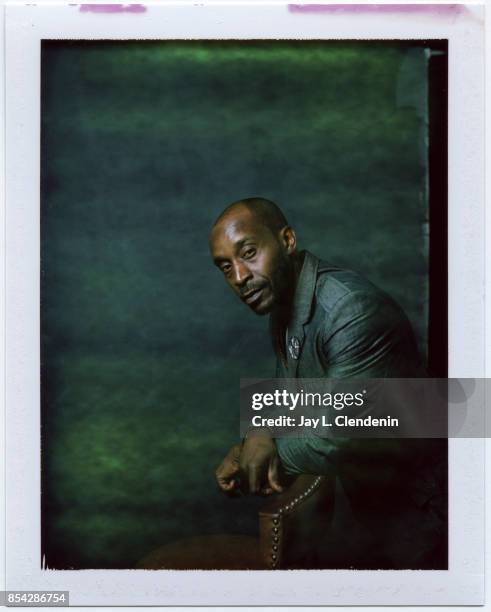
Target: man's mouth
[252,296]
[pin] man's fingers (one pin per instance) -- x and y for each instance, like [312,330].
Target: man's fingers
[226,485]
[225,478]
[255,457]
[273,475]
[227,472]
[255,479]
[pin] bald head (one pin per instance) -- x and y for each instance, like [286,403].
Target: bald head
[265,211]
[253,245]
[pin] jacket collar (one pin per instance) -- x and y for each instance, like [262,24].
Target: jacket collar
[304,292]
[299,316]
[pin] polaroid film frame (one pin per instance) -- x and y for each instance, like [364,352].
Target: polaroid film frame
[26,26]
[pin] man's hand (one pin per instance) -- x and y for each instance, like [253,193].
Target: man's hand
[227,473]
[259,463]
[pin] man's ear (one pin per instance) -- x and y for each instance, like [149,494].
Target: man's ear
[288,239]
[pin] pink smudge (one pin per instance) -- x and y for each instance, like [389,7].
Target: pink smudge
[112,8]
[432,9]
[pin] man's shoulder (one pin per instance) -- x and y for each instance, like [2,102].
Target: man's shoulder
[362,329]
[335,286]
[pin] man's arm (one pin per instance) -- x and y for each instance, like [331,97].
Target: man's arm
[365,335]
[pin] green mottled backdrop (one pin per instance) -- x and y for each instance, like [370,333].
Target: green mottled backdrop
[143,143]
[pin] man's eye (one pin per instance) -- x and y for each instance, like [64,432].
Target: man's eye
[249,253]
[225,268]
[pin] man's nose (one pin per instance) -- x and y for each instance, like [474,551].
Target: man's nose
[242,274]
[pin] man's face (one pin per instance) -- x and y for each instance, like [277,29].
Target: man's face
[252,258]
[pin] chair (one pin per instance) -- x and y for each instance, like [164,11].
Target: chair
[291,525]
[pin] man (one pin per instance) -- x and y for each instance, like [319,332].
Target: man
[330,322]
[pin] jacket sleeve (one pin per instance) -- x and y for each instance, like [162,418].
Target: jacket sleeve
[364,335]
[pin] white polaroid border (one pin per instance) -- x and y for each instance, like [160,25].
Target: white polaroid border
[26,26]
